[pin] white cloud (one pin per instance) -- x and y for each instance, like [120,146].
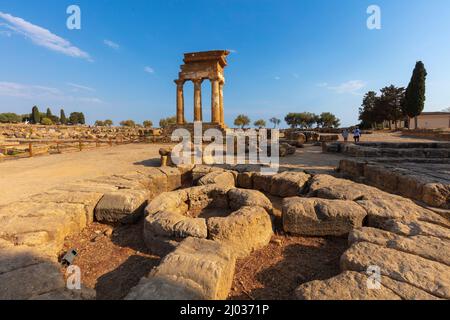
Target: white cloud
[111,44]
[349,87]
[149,70]
[42,37]
[78,87]
[34,92]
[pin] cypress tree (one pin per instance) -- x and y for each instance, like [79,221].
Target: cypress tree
[415,93]
[35,115]
[63,118]
[49,113]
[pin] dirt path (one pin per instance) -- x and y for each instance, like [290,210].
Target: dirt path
[19,179]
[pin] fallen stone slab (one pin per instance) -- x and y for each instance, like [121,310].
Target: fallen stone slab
[355,286]
[289,184]
[248,198]
[217,177]
[198,269]
[382,208]
[33,280]
[245,180]
[430,276]
[416,228]
[122,206]
[66,294]
[431,248]
[41,223]
[321,217]
[329,187]
[346,286]
[245,230]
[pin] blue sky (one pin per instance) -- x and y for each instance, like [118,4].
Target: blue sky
[287,56]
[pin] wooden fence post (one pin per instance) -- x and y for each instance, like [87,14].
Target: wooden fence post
[30,149]
[80,145]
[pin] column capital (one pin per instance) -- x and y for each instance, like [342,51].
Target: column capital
[180,82]
[197,81]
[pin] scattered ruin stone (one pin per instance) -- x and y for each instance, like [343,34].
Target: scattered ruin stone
[430,276]
[122,206]
[321,217]
[289,184]
[354,286]
[217,177]
[245,180]
[245,230]
[386,207]
[431,248]
[198,269]
[248,198]
[415,228]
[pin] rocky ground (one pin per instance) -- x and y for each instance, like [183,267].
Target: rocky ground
[299,234]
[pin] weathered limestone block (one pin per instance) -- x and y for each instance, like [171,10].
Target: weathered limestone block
[201,170]
[437,195]
[380,209]
[22,220]
[211,196]
[352,168]
[198,269]
[430,276]
[122,206]
[351,285]
[416,228]
[320,217]
[117,181]
[65,294]
[29,281]
[88,199]
[245,230]
[157,183]
[328,187]
[192,227]
[289,184]
[87,187]
[245,180]
[175,201]
[173,178]
[346,286]
[262,182]
[381,177]
[220,178]
[424,246]
[248,198]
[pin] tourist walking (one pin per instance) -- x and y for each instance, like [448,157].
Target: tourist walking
[357,135]
[345,134]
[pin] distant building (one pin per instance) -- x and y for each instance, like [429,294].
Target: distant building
[432,120]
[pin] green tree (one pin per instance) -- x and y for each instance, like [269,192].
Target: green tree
[414,101]
[46,121]
[166,122]
[77,118]
[275,121]
[128,123]
[147,124]
[367,110]
[328,120]
[242,121]
[390,104]
[260,123]
[49,113]
[35,115]
[99,123]
[62,117]
[10,117]
[108,122]
[292,119]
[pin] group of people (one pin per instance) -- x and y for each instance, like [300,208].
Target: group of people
[356,134]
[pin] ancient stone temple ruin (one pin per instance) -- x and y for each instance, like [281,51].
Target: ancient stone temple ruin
[197,67]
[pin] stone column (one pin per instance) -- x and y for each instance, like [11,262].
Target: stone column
[198,100]
[215,101]
[180,101]
[222,120]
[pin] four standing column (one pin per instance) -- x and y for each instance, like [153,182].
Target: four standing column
[222,120]
[180,102]
[198,100]
[217,111]
[215,101]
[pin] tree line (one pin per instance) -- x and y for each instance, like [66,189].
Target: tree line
[395,103]
[45,118]
[301,120]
